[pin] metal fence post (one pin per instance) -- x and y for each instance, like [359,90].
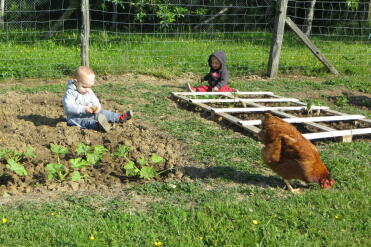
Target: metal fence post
[85,32]
[277,37]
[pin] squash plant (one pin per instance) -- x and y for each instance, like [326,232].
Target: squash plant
[57,170]
[14,159]
[92,154]
[141,167]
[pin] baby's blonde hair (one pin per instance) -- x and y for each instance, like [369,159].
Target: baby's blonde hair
[83,72]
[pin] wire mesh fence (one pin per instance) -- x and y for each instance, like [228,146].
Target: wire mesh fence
[340,29]
[179,36]
[42,37]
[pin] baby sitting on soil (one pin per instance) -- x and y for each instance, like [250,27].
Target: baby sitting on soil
[82,106]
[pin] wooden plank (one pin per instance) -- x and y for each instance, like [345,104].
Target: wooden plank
[345,114]
[265,109]
[206,107]
[347,138]
[243,100]
[252,129]
[85,32]
[337,133]
[311,46]
[235,120]
[328,110]
[228,117]
[315,125]
[287,115]
[182,98]
[277,37]
[308,119]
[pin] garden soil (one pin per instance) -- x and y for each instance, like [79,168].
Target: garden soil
[37,121]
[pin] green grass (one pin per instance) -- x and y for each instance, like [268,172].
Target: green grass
[215,211]
[167,55]
[219,219]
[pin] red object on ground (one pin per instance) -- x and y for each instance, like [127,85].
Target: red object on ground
[224,88]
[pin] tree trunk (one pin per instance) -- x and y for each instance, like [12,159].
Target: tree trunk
[309,19]
[70,9]
[2,11]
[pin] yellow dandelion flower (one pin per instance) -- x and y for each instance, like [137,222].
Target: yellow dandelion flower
[157,243]
[255,222]
[92,237]
[4,220]
[337,217]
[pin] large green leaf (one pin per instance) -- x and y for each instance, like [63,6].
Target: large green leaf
[53,170]
[130,169]
[147,172]
[156,159]
[16,167]
[58,150]
[122,151]
[142,161]
[82,148]
[79,163]
[28,152]
[76,176]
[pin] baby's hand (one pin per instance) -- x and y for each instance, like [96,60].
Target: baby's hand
[96,109]
[215,89]
[89,109]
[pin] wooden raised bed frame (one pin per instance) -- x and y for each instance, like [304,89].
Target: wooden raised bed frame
[252,105]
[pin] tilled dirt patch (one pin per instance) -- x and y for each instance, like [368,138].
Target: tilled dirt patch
[37,121]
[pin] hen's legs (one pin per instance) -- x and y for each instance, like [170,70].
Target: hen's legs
[290,187]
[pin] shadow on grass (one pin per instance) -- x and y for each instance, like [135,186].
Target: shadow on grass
[42,120]
[234,175]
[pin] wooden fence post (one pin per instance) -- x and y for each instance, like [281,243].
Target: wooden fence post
[277,37]
[85,32]
[2,11]
[309,18]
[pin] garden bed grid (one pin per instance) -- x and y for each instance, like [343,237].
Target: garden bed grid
[245,109]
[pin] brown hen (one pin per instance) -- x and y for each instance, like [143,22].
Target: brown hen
[289,154]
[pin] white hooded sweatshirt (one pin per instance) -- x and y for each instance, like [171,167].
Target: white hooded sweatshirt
[74,103]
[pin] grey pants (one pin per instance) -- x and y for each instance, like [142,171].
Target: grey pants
[92,122]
